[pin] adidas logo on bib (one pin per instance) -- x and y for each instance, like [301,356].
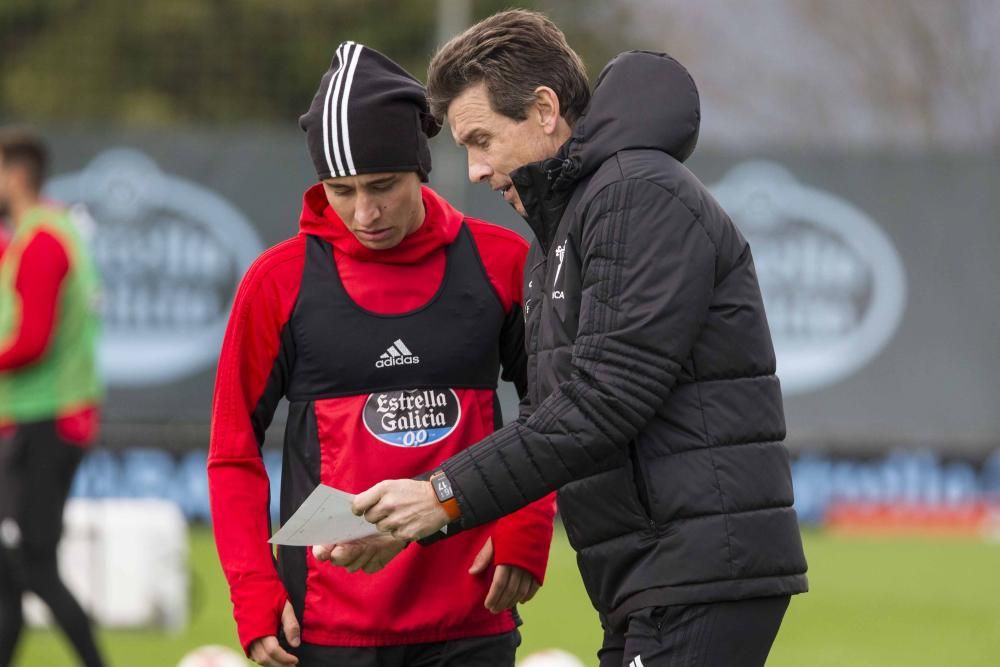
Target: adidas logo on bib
[397,354]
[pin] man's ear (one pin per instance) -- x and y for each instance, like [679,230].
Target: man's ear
[16,179]
[545,109]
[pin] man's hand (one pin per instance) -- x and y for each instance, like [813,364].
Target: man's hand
[369,555]
[268,652]
[511,584]
[407,509]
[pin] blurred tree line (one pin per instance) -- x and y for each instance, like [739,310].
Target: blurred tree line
[152,63]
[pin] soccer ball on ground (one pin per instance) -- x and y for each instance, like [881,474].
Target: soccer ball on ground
[551,657]
[213,656]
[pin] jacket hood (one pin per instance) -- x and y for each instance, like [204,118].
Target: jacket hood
[441,224]
[640,100]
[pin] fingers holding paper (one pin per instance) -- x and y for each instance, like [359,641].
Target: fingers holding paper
[368,555]
[404,508]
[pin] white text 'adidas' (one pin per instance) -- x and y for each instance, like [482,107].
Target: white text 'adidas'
[397,354]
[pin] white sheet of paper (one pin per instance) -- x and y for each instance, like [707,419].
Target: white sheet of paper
[324,518]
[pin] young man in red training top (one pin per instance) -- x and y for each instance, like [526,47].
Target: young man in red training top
[385,323]
[49,391]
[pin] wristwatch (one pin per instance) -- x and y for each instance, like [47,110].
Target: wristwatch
[445,494]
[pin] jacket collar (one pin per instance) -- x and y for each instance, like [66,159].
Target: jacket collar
[545,188]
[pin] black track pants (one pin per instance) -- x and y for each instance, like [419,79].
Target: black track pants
[36,472]
[722,634]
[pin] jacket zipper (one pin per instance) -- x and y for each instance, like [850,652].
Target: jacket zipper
[640,483]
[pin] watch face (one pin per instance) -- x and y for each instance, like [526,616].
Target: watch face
[442,488]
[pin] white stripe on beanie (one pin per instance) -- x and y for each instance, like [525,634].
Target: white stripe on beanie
[344,54]
[326,109]
[343,112]
[336,137]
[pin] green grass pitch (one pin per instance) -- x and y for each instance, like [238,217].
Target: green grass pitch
[906,603]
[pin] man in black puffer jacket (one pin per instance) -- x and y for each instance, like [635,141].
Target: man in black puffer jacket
[653,403]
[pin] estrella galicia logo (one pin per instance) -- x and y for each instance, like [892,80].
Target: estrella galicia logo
[170,253]
[833,284]
[413,417]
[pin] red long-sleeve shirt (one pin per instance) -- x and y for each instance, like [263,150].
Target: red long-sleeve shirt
[41,272]
[386,282]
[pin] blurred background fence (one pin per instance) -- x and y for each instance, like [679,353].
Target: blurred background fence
[855,144]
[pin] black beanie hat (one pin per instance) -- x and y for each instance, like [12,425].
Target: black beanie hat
[368,116]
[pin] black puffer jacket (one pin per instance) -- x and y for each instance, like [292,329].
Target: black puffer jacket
[653,403]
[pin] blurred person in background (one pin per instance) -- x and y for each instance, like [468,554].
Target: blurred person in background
[385,322]
[653,404]
[50,390]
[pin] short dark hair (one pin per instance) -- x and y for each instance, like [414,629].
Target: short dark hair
[24,148]
[513,52]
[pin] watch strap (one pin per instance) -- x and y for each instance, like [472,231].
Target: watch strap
[450,504]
